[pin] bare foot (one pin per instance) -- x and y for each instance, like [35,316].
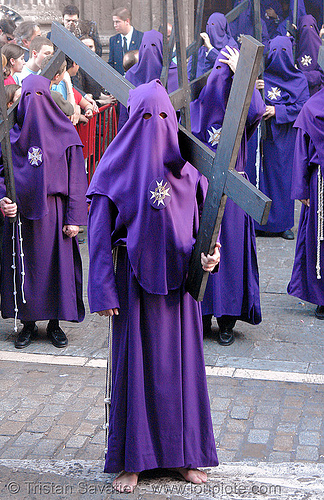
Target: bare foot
[126,482]
[195,476]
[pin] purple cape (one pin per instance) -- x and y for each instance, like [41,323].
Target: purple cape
[308,46]
[218,30]
[286,89]
[244,25]
[209,109]
[234,290]
[281,73]
[149,68]
[150,62]
[51,183]
[310,120]
[167,249]
[272,24]
[207,112]
[301,11]
[160,415]
[309,153]
[37,157]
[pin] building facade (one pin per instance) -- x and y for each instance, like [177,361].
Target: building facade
[146,14]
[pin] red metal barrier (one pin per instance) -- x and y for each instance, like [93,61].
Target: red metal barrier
[96,135]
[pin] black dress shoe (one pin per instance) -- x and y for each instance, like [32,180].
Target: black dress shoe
[57,336]
[226,337]
[288,235]
[26,335]
[319,312]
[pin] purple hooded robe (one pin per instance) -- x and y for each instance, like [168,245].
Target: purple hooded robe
[315,8]
[234,290]
[50,184]
[143,201]
[301,11]
[305,282]
[272,23]
[286,89]
[219,32]
[308,46]
[244,25]
[149,67]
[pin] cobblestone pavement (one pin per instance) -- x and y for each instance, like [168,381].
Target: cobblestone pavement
[266,393]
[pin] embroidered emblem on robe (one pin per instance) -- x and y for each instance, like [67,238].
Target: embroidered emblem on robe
[240,38]
[274,93]
[214,135]
[159,193]
[306,60]
[35,156]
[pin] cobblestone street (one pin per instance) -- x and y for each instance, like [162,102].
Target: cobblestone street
[266,393]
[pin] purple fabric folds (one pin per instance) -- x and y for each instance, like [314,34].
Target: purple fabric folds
[39,142]
[160,414]
[311,121]
[50,180]
[209,109]
[160,260]
[218,30]
[305,282]
[150,62]
[286,89]
[308,46]
[281,73]
[234,290]
[244,25]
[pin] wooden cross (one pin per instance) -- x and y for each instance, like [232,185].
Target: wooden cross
[240,8]
[234,13]
[217,167]
[320,59]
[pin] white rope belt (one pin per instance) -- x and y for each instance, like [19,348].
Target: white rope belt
[320,221]
[15,226]
[258,157]
[107,399]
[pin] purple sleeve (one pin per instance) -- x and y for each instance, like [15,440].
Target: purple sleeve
[123,117]
[212,56]
[301,172]
[288,114]
[313,77]
[102,292]
[76,210]
[256,110]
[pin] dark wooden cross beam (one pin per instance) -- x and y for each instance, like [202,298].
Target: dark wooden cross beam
[179,32]
[320,59]
[222,182]
[257,20]
[295,11]
[197,39]
[223,179]
[191,50]
[230,182]
[234,13]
